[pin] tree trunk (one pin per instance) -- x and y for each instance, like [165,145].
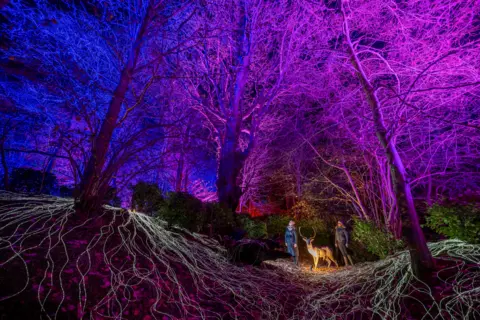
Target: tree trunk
[91,196]
[6,179]
[231,162]
[181,162]
[421,258]
[419,252]
[429,190]
[53,158]
[179,175]
[363,212]
[186,180]
[50,164]
[231,159]
[357,194]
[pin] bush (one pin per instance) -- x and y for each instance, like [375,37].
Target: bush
[308,224]
[66,191]
[303,210]
[254,228]
[460,222]
[111,197]
[322,234]
[31,181]
[185,211]
[182,210]
[219,217]
[146,197]
[276,225]
[376,240]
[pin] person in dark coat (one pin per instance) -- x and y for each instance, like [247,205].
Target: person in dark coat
[341,242]
[291,241]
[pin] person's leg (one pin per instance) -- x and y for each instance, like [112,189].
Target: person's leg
[343,250]
[297,256]
[290,251]
[293,252]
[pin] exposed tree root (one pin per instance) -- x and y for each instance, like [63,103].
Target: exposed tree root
[129,267]
[54,263]
[387,289]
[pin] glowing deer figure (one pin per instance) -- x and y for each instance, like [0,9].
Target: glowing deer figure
[325,253]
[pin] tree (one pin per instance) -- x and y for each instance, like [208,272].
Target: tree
[105,90]
[421,255]
[90,185]
[380,44]
[238,75]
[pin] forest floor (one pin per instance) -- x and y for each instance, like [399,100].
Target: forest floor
[123,265]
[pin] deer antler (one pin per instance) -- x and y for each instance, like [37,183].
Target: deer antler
[300,231]
[314,233]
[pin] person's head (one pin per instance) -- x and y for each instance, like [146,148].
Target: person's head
[291,223]
[340,224]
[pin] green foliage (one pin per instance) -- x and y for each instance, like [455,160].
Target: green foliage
[322,233]
[317,223]
[146,197]
[376,240]
[182,210]
[276,224]
[219,217]
[461,222]
[185,211]
[255,228]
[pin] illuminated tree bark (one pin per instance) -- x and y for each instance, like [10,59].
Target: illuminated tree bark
[419,252]
[90,189]
[180,171]
[237,74]
[231,159]
[230,163]
[181,178]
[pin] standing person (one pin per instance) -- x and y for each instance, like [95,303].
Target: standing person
[291,241]
[341,242]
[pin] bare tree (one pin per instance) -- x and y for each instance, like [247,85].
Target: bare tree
[235,79]
[397,65]
[108,87]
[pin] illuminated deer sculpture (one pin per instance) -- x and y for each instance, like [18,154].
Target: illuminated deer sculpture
[325,253]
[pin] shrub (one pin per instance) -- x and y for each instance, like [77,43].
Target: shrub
[146,197]
[317,223]
[111,197]
[376,240]
[254,228]
[182,210]
[219,217]
[66,191]
[185,211]
[31,181]
[461,222]
[322,233]
[303,210]
[276,225]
